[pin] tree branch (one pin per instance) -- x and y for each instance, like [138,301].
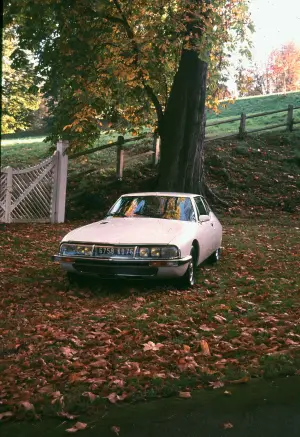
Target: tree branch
[149,90]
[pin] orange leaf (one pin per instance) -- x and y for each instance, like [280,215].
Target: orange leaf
[243,380]
[79,426]
[205,348]
[185,394]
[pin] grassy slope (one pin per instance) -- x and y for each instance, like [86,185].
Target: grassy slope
[250,106]
[256,104]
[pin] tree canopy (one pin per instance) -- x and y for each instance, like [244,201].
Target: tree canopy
[117,59]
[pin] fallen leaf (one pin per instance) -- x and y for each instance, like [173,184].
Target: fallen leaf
[185,394]
[6,414]
[243,380]
[150,346]
[27,406]
[68,352]
[115,429]
[79,426]
[220,319]
[204,348]
[113,397]
[90,395]
[206,328]
[227,425]
[216,384]
[143,317]
[66,415]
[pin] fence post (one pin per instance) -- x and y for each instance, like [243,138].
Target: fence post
[61,181]
[120,158]
[7,218]
[290,119]
[156,149]
[242,129]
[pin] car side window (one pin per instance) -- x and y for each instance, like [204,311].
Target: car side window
[200,207]
[206,205]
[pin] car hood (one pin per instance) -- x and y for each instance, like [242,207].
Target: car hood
[129,231]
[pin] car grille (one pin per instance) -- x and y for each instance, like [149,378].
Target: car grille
[117,269]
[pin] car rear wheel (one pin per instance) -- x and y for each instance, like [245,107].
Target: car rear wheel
[189,280]
[215,257]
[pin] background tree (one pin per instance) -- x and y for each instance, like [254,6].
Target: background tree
[285,68]
[281,73]
[253,81]
[19,95]
[143,62]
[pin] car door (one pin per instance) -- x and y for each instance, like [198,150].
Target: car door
[205,232]
[217,227]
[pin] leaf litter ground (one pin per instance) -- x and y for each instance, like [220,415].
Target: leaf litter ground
[65,350]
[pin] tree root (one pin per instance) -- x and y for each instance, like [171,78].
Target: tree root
[213,195]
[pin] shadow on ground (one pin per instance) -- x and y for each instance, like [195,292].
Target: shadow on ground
[259,409]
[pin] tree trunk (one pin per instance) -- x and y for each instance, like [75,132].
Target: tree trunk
[183,128]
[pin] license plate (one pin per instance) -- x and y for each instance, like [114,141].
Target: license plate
[114,251]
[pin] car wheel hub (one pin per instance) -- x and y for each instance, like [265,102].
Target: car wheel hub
[191,273]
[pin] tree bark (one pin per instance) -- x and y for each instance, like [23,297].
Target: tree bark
[182,129]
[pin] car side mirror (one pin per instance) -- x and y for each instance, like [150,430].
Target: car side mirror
[204,218]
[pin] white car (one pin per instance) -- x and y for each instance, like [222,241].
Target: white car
[145,235]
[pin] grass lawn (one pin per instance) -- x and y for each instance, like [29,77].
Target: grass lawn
[24,152]
[61,346]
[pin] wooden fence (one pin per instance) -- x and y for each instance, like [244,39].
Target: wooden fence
[242,131]
[120,153]
[241,134]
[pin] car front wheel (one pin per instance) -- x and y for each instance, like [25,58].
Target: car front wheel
[189,277]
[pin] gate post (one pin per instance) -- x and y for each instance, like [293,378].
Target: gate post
[7,217]
[156,149]
[60,186]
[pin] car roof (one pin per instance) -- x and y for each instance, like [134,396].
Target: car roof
[161,193]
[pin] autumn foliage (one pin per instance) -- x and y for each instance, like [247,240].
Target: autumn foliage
[280,74]
[117,59]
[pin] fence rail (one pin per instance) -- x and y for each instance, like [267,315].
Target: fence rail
[120,154]
[289,124]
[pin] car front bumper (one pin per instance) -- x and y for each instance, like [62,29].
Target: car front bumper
[126,268]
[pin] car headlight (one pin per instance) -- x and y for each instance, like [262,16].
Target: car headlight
[166,252]
[155,252]
[144,252]
[170,252]
[76,249]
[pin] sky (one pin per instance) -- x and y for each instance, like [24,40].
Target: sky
[276,22]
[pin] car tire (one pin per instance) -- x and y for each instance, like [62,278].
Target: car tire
[215,256]
[189,280]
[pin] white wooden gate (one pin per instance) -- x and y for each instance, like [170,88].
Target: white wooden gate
[35,194]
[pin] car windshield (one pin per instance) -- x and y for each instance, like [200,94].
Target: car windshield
[163,207]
